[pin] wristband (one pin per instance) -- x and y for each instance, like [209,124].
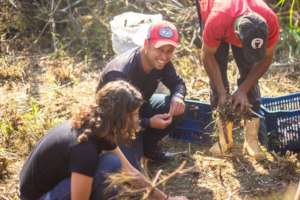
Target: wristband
[178,95]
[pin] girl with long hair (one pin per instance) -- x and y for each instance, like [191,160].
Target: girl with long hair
[73,159]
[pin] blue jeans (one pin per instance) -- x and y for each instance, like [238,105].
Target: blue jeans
[108,163]
[157,104]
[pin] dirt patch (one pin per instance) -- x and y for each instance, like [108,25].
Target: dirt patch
[235,176]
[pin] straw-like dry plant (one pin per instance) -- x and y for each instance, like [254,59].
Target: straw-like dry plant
[127,189]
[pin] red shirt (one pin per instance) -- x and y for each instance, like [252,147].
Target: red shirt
[219,17]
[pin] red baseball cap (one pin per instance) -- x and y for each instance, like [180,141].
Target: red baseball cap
[163,33]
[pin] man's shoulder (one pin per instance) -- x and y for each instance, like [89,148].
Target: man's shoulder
[262,8]
[217,25]
[221,13]
[266,12]
[220,18]
[122,61]
[223,6]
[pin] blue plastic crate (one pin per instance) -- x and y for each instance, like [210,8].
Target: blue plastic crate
[282,117]
[196,125]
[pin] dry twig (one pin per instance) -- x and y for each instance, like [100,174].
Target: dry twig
[123,180]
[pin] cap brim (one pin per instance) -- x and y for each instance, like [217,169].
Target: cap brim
[161,43]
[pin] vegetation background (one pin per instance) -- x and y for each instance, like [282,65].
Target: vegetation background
[51,54]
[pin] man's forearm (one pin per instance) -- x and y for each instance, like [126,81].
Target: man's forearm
[214,73]
[255,73]
[179,89]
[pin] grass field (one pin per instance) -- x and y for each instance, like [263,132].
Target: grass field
[40,90]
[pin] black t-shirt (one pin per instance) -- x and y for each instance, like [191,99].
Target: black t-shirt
[56,156]
[128,66]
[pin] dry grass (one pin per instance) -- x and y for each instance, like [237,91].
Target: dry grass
[33,104]
[40,90]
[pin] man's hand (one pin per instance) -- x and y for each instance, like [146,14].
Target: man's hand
[177,106]
[222,99]
[240,100]
[160,121]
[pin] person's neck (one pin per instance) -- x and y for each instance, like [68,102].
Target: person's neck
[145,62]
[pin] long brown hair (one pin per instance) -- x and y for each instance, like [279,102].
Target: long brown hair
[111,115]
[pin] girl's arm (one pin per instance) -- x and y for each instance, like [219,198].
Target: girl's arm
[81,186]
[141,180]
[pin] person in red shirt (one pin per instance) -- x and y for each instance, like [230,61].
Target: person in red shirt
[251,29]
